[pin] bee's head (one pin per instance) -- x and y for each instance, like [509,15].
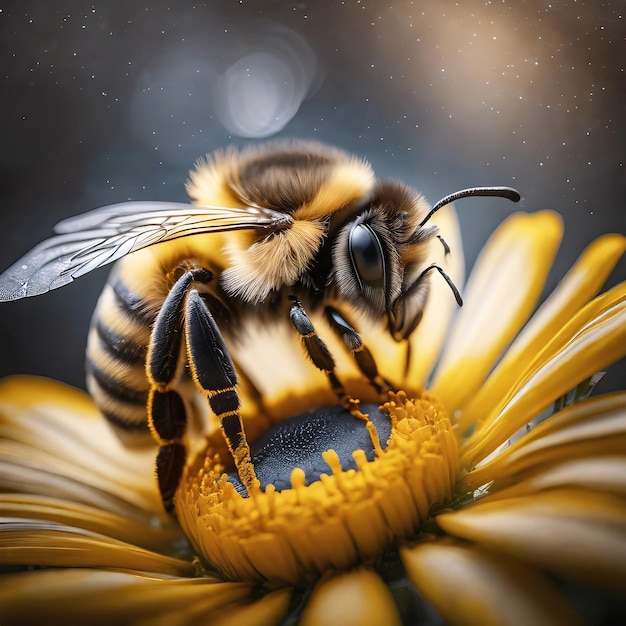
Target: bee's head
[379,256]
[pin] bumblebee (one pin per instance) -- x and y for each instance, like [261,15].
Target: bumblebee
[273,231]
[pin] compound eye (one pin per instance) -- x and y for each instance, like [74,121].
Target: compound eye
[366,253]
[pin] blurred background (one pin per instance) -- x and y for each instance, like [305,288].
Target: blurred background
[108,101]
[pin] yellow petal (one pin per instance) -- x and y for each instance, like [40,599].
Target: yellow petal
[593,427]
[572,533]
[595,474]
[358,597]
[469,586]
[270,609]
[36,542]
[28,477]
[594,339]
[580,284]
[147,533]
[502,291]
[53,441]
[86,596]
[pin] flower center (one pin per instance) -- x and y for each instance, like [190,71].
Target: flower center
[328,500]
[301,440]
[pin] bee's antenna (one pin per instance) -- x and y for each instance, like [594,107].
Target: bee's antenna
[502,192]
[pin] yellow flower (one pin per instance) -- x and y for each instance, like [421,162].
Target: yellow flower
[454,506]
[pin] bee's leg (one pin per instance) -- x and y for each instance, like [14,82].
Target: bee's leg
[167,416]
[213,371]
[446,247]
[318,351]
[184,313]
[323,360]
[363,357]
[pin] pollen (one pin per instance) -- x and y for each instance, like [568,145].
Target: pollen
[302,522]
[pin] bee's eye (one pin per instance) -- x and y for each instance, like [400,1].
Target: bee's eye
[366,254]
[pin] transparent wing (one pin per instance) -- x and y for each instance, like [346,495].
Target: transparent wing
[101,236]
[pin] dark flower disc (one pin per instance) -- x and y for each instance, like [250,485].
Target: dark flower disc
[300,440]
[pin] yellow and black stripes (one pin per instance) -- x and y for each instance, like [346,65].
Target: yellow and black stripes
[120,347]
[116,354]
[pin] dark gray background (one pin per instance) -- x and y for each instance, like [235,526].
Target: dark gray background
[108,101]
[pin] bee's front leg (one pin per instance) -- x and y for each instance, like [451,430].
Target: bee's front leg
[319,353]
[323,360]
[353,342]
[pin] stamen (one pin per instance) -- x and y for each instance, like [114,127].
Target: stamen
[374,437]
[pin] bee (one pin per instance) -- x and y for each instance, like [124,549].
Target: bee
[280,229]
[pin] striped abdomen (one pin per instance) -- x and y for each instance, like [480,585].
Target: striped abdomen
[122,324]
[116,355]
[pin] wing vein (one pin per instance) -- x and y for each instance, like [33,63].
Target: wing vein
[99,237]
